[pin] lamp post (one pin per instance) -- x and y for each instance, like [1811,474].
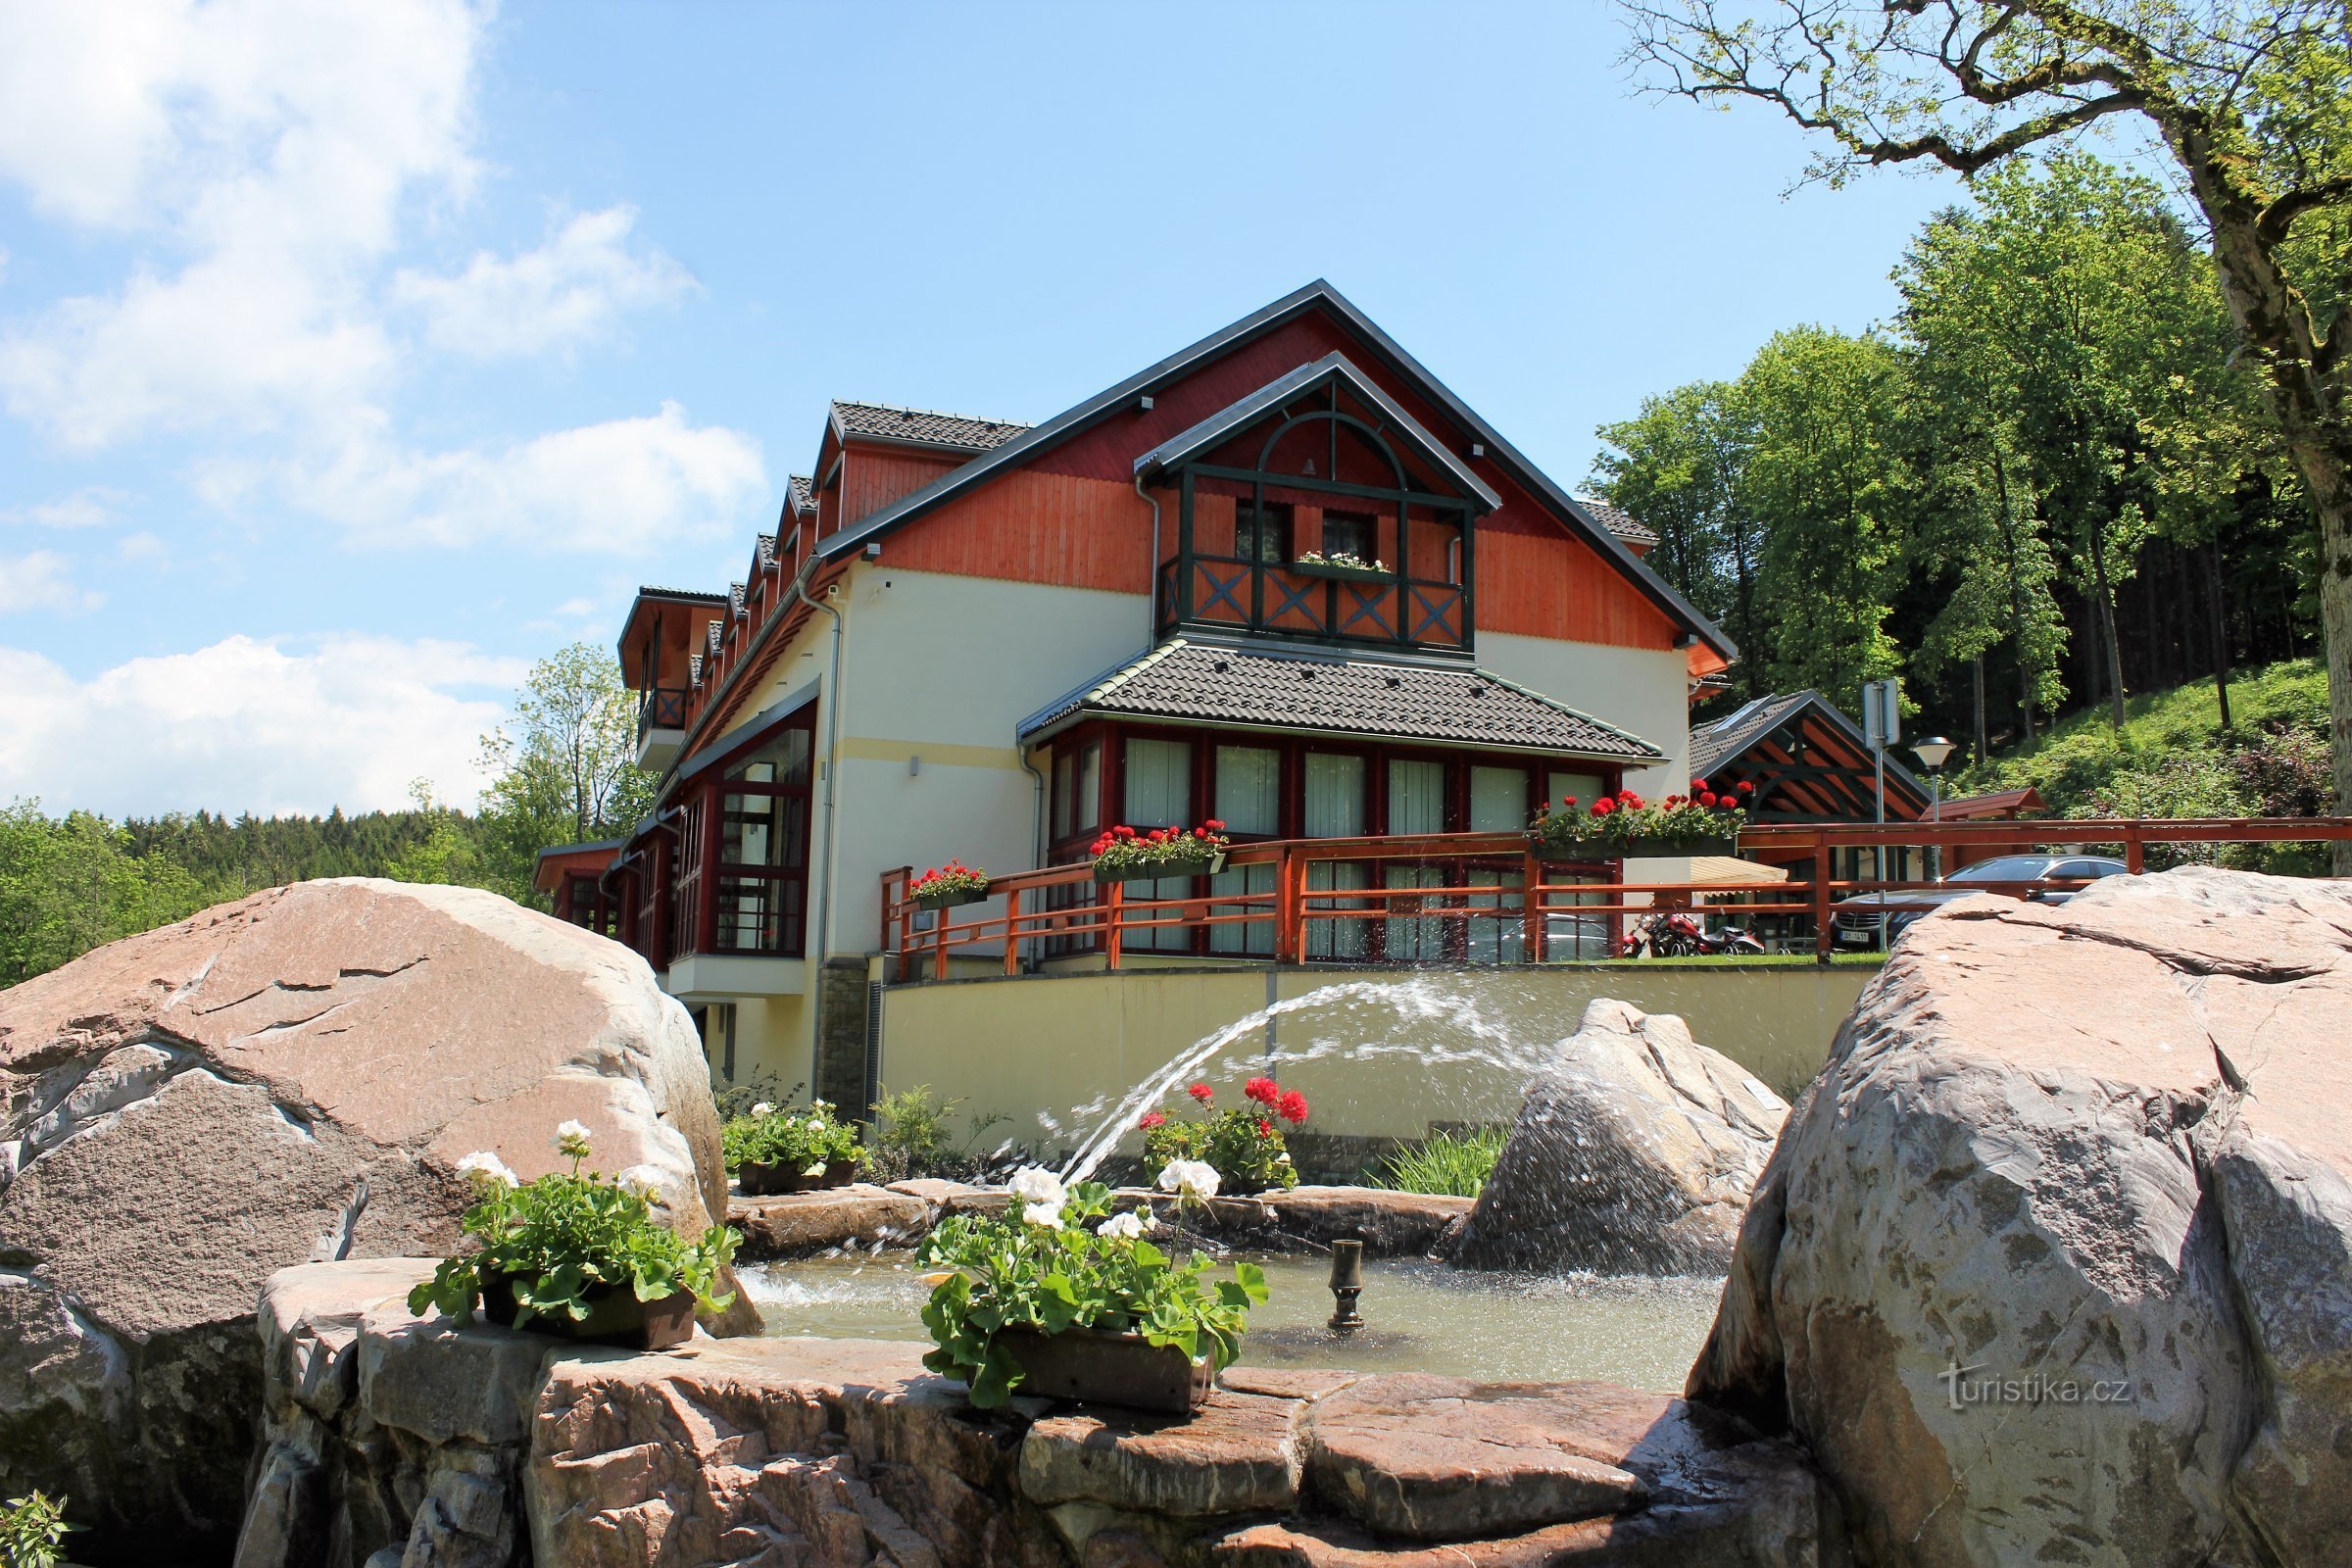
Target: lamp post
[1933,752]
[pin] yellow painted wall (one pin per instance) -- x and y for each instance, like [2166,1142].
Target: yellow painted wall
[1385,1053]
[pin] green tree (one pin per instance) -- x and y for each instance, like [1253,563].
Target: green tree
[2252,104]
[70,885]
[1676,469]
[564,771]
[1825,482]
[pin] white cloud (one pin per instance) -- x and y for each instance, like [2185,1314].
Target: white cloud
[568,291]
[624,486]
[249,724]
[42,580]
[267,148]
[141,545]
[86,508]
[577,609]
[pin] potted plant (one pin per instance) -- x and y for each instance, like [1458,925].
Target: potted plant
[1125,855]
[1616,826]
[792,1151]
[1345,563]
[1242,1145]
[947,885]
[577,1256]
[1060,1297]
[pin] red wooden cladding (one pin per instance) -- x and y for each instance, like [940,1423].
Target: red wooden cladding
[1033,526]
[872,477]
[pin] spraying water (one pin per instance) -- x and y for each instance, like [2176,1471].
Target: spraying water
[1431,1023]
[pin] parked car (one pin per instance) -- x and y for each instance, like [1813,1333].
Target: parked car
[2043,878]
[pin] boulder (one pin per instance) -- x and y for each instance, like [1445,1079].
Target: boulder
[1633,1154]
[290,1078]
[2054,1261]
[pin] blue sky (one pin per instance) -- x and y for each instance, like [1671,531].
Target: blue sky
[351,357]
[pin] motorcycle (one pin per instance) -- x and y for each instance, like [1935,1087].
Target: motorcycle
[1674,935]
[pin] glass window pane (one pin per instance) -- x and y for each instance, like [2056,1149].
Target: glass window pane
[1497,938]
[1336,939]
[1497,800]
[1256,936]
[764,830]
[782,761]
[1586,787]
[1416,797]
[1065,768]
[1086,806]
[1159,783]
[1334,796]
[1413,939]
[1249,797]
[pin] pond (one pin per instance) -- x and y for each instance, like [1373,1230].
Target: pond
[1420,1317]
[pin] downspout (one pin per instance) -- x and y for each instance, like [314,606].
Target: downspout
[1151,589]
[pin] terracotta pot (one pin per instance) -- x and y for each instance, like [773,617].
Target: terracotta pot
[614,1316]
[1105,1368]
[771,1180]
[949,901]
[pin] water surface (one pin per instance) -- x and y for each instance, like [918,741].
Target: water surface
[1420,1317]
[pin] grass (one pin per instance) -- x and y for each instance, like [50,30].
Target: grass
[2082,752]
[1448,1164]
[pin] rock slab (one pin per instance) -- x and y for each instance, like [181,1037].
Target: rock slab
[284,1079]
[2054,1263]
[1633,1153]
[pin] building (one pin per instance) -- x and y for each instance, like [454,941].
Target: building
[1284,578]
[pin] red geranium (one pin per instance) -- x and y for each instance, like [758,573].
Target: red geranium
[1604,807]
[1265,1128]
[1203,1093]
[1567,800]
[1214,825]
[1709,798]
[1151,1119]
[1746,788]
[1265,1091]
[1291,1107]
[1698,786]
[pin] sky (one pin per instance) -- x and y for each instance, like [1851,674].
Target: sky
[354,357]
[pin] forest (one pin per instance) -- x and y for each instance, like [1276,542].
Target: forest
[2047,483]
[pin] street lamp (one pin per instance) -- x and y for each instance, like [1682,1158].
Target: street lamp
[1933,752]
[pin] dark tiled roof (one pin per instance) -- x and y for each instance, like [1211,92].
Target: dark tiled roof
[691,595]
[1217,683]
[804,493]
[1726,738]
[889,422]
[1618,522]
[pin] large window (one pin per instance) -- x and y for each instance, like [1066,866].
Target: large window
[1497,800]
[1248,797]
[761,897]
[1158,793]
[1077,789]
[1334,806]
[1350,534]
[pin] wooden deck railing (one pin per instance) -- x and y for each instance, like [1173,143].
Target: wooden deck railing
[1061,911]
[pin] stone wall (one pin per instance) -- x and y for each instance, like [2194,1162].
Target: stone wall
[400,1442]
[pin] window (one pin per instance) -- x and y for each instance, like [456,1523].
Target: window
[1334,796]
[1262,534]
[1350,534]
[1586,787]
[1077,790]
[1497,800]
[1249,791]
[1416,796]
[1159,794]
[761,891]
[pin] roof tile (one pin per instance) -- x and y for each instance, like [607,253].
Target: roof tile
[1221,684]
[887,422]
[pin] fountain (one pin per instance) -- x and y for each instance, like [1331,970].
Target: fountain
[1347,1284]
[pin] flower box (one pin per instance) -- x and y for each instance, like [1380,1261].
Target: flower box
[1638,848]
[1325,568]
[952,898]
[1107,1368]
[614,1316]
[1208,868]
[774,1180]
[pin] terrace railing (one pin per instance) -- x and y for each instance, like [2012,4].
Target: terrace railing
[1546,912]
[661,708]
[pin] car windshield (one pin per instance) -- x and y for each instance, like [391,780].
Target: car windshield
[2007,868]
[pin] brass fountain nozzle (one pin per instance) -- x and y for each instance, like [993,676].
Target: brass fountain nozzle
[1347,1284]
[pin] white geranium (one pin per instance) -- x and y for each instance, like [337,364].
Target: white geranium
[1189,1178]
[763,1108]
[485,1172]
[1047,1214]
[1125,1227]
[571,1139]
[1033,1183]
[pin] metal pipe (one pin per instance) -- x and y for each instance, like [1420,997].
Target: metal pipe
[1152,584]
[824,909]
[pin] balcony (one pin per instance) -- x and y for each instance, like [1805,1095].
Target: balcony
[1223,593]
[660,726]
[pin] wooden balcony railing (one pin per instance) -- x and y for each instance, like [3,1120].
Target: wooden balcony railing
[661,708]
[1549,912]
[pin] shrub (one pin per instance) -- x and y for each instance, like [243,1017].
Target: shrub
[1242,1145]
[33,1531]
[1448,1164]
[1044,1267]
[562,1236]
[910,1136]
[802,1139]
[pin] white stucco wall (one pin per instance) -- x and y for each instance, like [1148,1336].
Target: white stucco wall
[1642,690]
